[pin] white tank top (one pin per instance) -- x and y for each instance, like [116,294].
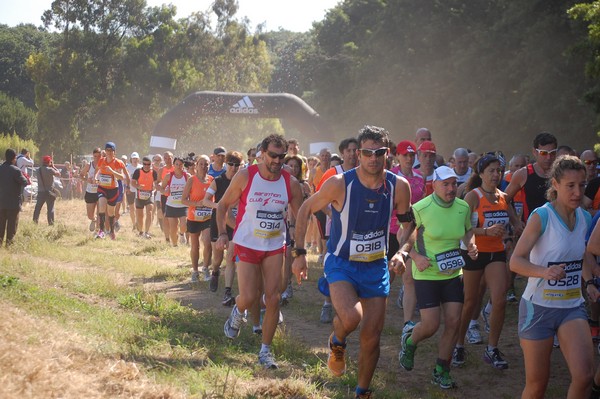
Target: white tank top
[557,244]
[260,221]
[91,188]
[175,191]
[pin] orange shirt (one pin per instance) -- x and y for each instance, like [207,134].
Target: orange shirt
[489,214]
[105,178]
[197,192]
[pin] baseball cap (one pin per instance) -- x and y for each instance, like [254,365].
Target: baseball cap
[110,146]
[47,159]
[219,150]
[135,155]
[427,146]
[443,173]
[406,147]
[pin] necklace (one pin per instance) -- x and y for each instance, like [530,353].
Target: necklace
[486,191]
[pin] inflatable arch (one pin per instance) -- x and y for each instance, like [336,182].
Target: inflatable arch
[288,107]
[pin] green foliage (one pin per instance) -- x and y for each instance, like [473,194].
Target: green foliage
[15,117]
[16,143]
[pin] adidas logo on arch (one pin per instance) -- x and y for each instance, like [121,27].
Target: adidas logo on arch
[244,106]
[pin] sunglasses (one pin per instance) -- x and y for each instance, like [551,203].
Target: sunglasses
[590,162]
[147,164]
[366,152]
[274,155]
[546,153]
[233,164]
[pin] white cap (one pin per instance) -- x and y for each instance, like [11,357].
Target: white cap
[135,155]
[443,173]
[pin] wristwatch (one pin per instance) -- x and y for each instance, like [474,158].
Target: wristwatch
[298,252]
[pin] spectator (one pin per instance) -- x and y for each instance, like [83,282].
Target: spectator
[12,182]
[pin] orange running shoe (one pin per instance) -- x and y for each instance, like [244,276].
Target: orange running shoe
[336,362]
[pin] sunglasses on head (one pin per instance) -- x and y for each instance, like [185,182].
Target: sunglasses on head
[233,164]
[274,155]
[367,152]
[545,153]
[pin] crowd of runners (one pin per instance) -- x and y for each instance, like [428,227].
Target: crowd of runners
[451,231]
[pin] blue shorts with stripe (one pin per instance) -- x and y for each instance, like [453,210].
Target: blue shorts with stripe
[369,279]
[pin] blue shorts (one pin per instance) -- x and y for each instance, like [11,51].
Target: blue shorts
[370,280]
[538,322]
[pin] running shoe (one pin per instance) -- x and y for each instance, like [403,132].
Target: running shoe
[408,327]
[289,292]
[473,334]
[228,299]
[147,236]
[117,226]
[92,226]
[442,378]
[207,275]
[267,360]
[214,282]
[407,353]
[327,313]
[234,323]
[257,330]
[486,319]
[458,356]
[336,361]
[195,275]
[510,296]
[100,234]
[366,395]
[182,239]
[494,357]
[400,298]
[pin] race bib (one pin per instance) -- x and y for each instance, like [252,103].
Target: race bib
[144,195]
[176,196]
[105,180]
[491,218]
[449,261]
[518,208]
[270,224]
[202,214]
[92,188]
[367,247]
[565,288]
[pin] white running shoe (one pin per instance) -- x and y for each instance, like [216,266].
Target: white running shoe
[234,323]
[267,360]
[473,335]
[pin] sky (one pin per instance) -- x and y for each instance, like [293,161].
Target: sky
[293,15]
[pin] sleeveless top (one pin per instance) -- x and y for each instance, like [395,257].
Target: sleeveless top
[489,214]
[197,192]
[176,185]
[91,188]
[417,192]
[260,221]
[534,191]
[106,179]
[557,244]
[359,232]
[145,182]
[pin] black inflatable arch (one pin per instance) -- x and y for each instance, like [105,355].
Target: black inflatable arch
[288,107]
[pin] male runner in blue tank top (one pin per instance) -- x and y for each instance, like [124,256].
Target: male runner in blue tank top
[363,201]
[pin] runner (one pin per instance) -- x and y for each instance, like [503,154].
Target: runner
[198,216]
[144,181]
[217,167]
[551,253]
[490,217]
[264,191]
[109,172]
[407,299]
[437,263]
[130,194]
[175,212]
[363,200]
[91,190]
[461,165]
[426,154]
[164,171]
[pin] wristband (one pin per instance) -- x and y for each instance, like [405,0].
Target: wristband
[589,282]
[298,252]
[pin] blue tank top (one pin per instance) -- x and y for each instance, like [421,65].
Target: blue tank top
[359,232]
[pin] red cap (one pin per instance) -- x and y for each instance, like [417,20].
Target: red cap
[406,147]
[47,159]
[427,146]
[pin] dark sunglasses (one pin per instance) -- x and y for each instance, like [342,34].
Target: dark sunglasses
[590,162]
[274,155]
[147,164]
[233,164]
[366,152]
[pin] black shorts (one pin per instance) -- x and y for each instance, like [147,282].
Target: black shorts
[90,198]
[214,230]
[130,197]
[194,227]
[141,204]
[322,224]
[173,212]
[163,203]
[483,259]
[433,293]
[111,195]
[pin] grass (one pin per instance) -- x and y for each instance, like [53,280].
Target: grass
[115,294]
